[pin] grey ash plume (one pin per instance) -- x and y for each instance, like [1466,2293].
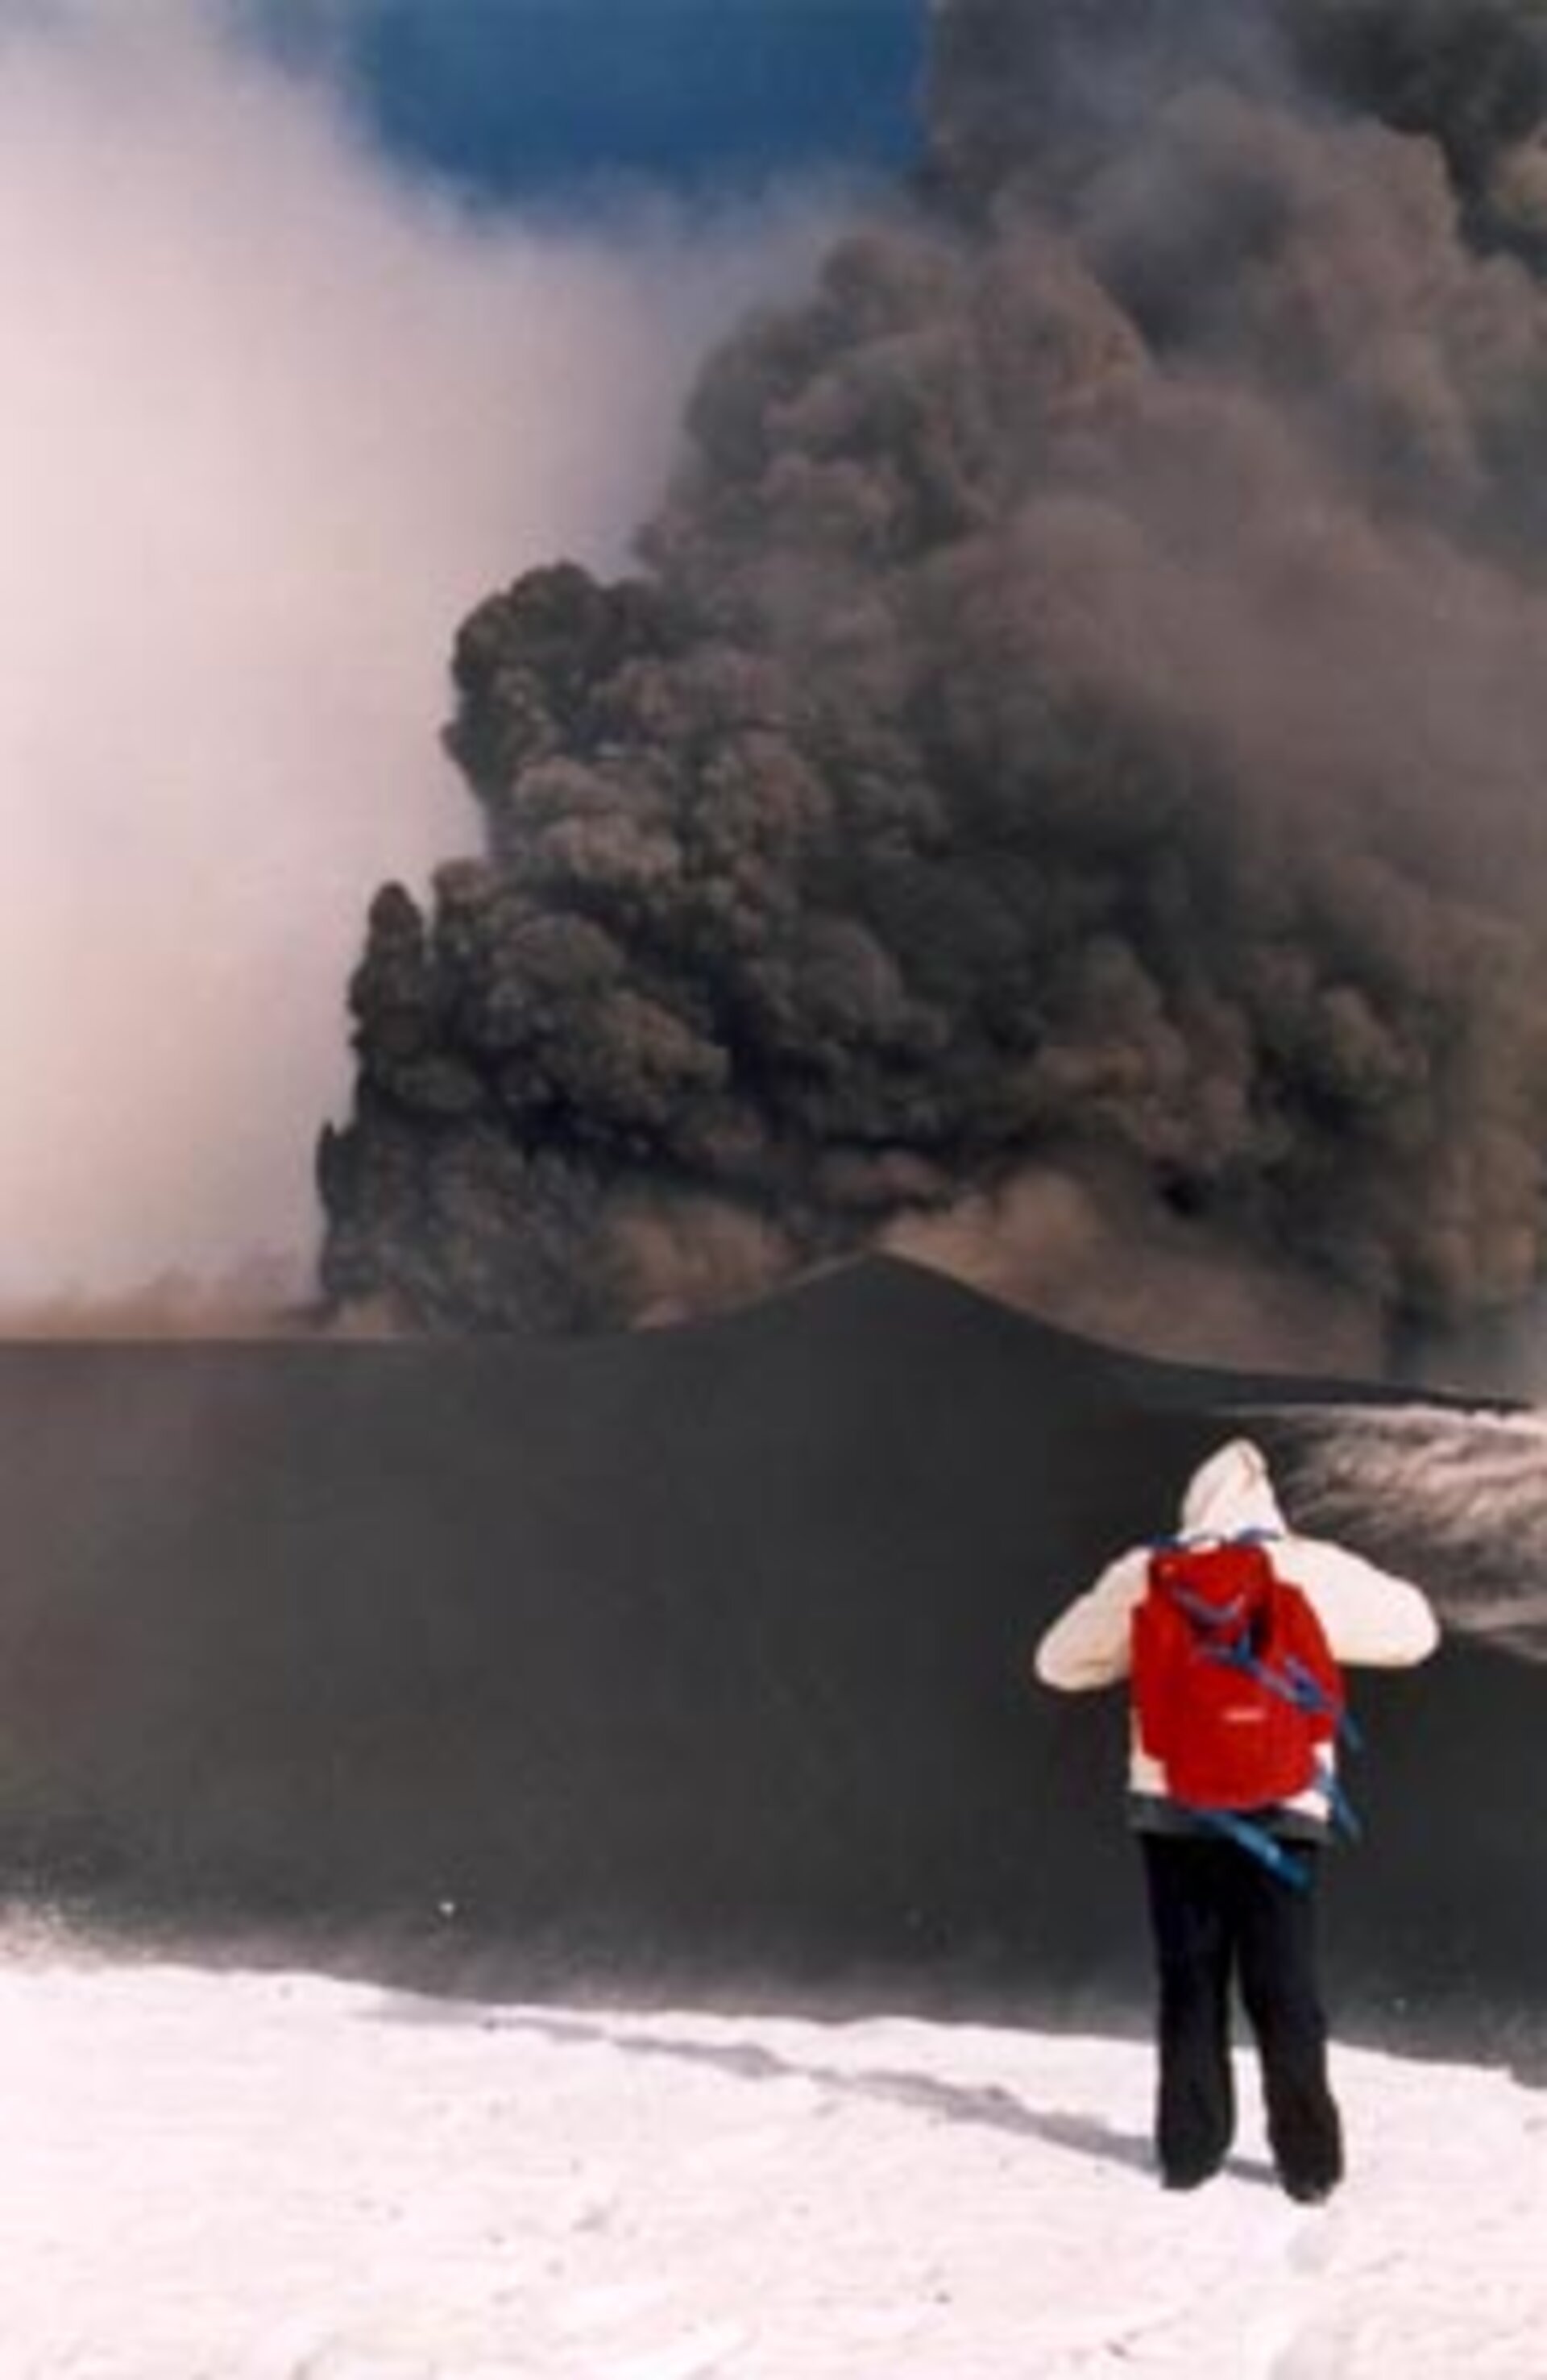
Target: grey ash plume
[1080,719]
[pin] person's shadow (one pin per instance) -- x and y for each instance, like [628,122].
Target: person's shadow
[1079,2133]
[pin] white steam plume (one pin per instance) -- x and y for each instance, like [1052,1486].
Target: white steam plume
[272,415]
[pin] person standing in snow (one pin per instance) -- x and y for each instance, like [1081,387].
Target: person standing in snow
[1220,1912]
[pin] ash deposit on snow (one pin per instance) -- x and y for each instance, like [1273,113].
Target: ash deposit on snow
[1060,795]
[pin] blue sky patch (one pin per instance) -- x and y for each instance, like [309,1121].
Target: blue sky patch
[514,98]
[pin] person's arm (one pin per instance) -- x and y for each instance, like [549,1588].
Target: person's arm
[1088,1646]
[1373,1620]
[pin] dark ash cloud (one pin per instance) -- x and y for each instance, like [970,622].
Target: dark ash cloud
[1078,721]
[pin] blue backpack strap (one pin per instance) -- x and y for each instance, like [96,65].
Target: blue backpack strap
[1343,1811]
[1259,1843]
[1210,1615]
[1312,1697]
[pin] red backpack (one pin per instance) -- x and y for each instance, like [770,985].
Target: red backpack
[1236,1690]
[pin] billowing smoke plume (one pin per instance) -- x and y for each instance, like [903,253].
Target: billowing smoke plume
[1065,790]
[273,410]
[1036,96]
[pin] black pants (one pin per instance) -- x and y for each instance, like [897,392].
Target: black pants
[1219,1915]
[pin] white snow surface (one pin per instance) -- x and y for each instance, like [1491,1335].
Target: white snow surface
[213,2175]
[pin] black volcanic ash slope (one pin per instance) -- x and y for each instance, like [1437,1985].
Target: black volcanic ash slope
[694,1636]
[1080,710]
[699,1651]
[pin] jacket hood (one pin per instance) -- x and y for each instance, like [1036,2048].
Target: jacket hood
[1231,1493]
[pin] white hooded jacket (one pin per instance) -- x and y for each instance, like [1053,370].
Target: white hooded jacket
[1371,1618]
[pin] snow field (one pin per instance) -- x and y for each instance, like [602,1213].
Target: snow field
[231,2175]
